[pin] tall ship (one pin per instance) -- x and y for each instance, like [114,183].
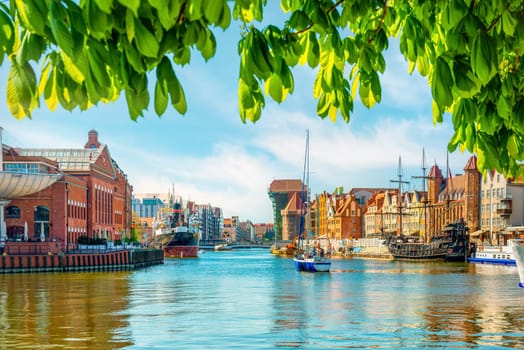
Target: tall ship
[451,244]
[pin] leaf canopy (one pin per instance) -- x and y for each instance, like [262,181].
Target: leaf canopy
[92,51]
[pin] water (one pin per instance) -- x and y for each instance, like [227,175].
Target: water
[250,299]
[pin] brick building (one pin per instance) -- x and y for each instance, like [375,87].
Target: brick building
[85,194]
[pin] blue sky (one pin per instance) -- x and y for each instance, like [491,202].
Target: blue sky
[210,156]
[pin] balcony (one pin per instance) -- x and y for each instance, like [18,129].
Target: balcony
[504,211]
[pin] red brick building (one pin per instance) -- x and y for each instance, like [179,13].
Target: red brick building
[76,192]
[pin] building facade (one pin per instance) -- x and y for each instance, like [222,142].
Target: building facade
[502,207]
[91,196]
[280,192]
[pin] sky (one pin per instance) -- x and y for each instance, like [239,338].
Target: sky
[209,156]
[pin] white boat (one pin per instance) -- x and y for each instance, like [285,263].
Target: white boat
[518,252]
[494,255]
[309,259]
[313,258]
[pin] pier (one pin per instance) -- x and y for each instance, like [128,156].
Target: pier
[109,260]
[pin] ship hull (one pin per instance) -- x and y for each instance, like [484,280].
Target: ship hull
[181,251]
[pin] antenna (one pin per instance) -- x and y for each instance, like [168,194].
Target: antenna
[400,182]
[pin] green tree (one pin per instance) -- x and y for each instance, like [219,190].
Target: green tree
[79,53]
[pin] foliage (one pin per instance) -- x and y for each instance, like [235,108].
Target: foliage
[91,51]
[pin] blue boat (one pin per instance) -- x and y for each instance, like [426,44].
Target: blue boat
[314,263]
[308,259]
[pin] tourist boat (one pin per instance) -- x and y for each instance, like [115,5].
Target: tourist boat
[518,253]
[449,245]
[183,244]
[495,255]
[308,259]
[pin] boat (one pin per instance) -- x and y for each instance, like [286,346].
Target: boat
[307,258]
[518,253]
[284,247]
[183,244]
[495,255]
[449,245]
[313,259]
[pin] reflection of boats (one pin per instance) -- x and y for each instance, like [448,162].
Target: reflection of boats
[497,255]
[518,252]
[184,244]
[310,259]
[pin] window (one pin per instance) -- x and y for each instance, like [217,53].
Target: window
[12,212]
[25,168]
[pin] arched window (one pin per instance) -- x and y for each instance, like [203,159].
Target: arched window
[12,212]
[41,222]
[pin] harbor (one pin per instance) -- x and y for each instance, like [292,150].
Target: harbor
[258,301]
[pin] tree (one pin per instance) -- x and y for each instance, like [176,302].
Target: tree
[91,51]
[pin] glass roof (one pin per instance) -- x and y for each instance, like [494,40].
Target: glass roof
[68,159]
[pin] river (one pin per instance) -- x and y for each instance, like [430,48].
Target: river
[250,299]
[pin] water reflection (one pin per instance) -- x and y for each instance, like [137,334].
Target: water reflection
[63,310]
[251,299]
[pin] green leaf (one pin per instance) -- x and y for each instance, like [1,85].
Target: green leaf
[509,23]
[484,56]
[32,17]
[466,83]
[145,40]
[442,83]
[209,48]
[161,99]
[105,5]
[133,5]
[62,35]
[274,88]
[71,69]
[21,89]
[7,35]
[130,25]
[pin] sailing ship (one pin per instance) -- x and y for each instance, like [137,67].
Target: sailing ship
[449,245]
[309,258]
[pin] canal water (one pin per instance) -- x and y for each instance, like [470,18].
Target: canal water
[250,299]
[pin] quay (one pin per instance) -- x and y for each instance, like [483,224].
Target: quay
[39,257]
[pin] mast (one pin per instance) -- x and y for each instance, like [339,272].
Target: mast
[424,179]
[304,211]
[400,182]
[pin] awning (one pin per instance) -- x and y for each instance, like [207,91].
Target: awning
[14,185]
